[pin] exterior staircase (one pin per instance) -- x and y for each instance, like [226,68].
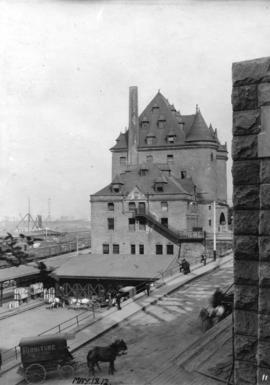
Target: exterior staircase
[173,235]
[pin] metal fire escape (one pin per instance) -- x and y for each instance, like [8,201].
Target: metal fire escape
[173,235]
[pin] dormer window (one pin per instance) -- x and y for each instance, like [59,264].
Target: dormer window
[159,184]
[159,187]
[155,108]
[145,122]
[116,185]
[171,138]
[161,122]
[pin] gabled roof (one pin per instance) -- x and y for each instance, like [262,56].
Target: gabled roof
[186,128]
[146,183]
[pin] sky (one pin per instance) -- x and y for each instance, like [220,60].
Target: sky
[66,67]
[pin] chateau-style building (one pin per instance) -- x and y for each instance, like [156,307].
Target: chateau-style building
[168,169]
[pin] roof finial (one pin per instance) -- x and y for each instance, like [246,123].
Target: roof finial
[197,108]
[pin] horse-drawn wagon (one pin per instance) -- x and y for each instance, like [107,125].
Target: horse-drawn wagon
[44,354]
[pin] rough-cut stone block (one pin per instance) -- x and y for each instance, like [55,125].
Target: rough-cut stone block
[264,274]
[265,196]
[246,272]
[245,373]
[245,348]
[264,247]
[246,122]
[246,297]
[265,171]
[264,94]
[244,98]
[264,300]
[246,222]
[245,147]
[264,329]
[251,71]
[264,227]
[246,247]
[263,354]
[264,135]
[246,322]
[246,172]
[246,196]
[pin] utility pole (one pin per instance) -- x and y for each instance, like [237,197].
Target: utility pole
[214,232]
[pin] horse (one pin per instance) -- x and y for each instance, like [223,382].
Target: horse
[105,354]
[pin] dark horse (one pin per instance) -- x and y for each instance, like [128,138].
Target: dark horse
[105,354]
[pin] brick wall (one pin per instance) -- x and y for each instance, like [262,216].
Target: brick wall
[121,235]
[251,200]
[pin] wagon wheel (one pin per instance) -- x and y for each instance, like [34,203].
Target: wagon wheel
[35,374]
[66,371]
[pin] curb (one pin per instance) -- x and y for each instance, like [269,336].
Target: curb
[153,301]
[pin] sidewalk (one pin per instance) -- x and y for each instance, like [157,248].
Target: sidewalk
[111,318]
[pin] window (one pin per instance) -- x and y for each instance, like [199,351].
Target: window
[142,224]
[161,124]
[159,187]
[123,160]
[209,207]
[169,158]
[106,248]
[171,139]
[131,224]
[212,157]
[170,249]
[116,188]
[150,140]
[115,248]
[132,207]
[164,206]
[143,172]
[210,222]
[159,249]
[141,249]
[111,206]
[132,249]
[183,174]
[110,223]
[164,222]
[149,158]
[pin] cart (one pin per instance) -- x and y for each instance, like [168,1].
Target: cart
[44,354]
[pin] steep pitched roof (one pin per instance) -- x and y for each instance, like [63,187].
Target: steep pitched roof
[146,183]
[160,110]
[160,119]
[199,131]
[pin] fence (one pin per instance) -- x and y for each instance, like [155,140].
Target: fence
[79,320]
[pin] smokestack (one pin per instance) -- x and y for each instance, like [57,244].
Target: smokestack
[133,134]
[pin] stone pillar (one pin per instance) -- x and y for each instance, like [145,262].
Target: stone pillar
[251,200]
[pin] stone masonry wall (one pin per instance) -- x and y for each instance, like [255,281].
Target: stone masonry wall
[251,200]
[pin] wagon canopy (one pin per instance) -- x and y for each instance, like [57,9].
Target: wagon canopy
[42,348]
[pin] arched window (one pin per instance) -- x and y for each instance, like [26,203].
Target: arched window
[212,157]
[111,206]
[222,219]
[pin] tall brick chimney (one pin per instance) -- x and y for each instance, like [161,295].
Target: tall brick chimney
[133,134]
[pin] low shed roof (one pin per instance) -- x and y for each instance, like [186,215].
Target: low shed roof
[116,266]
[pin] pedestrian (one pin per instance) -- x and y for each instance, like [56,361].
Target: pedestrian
[109,300]
[147,288]
[118,301]
[203,259]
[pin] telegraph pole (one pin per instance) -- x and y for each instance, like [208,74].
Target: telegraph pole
[214,232]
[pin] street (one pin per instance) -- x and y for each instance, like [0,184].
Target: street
[154,337]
